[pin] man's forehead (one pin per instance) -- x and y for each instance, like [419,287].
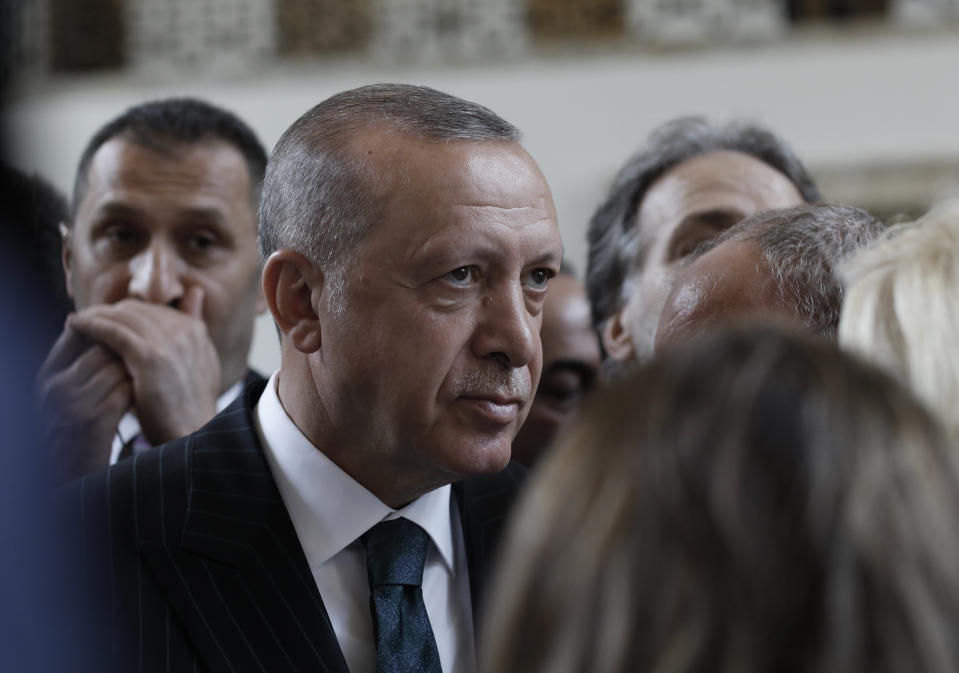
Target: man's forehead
[207,165]
[392,151]
[123,155]
[722,185]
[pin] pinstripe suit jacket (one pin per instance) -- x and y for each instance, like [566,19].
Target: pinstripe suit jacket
[199,562]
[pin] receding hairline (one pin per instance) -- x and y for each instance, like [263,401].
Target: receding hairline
[321,189]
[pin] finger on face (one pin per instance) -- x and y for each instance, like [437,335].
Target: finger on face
[192,303]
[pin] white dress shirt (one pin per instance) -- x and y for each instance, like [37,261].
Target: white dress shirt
[129,425]
[330,511]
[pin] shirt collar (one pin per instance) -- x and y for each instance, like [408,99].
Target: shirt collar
[330,510]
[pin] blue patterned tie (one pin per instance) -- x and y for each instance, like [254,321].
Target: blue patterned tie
[395,555]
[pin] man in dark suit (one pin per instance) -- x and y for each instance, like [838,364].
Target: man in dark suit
[160,259]
[343,516]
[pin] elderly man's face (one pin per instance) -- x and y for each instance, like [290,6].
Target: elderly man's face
[571,360]
[431,365]
[689,204]
[151,225]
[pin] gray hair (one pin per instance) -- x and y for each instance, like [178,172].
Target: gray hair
[805,247]
[321,201]
[615,243]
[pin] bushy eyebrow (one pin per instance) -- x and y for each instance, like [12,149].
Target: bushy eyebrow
[189,213]
[547,259]
[206,214]
[113,208]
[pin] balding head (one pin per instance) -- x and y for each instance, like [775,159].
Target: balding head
[320,198]
[779,266]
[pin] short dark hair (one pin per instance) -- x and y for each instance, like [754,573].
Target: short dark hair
[168,124]
[318,199]
[615,244]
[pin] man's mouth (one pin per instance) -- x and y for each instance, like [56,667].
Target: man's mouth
[498,409]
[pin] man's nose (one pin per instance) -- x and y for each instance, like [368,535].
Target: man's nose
[507,331]
[155,276]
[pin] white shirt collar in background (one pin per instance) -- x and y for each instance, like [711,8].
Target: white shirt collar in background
[129,426]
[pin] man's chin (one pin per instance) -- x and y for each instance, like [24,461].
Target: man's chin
[486,457]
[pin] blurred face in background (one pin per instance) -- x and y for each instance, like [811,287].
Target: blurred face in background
[689,204]
[571,360]
[152,225]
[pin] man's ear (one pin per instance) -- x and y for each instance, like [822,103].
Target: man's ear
[66,255]
[617,338]
[291,288]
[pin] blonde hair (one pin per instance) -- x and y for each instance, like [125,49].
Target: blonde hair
[757,502]
[901,308]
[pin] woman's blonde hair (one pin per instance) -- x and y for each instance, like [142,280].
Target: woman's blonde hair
[901,307]
[755,503]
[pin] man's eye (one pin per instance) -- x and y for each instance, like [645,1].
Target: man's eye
[564,388]
[462,275]
[539,278]
[202,242]
[563,394]
[121,235]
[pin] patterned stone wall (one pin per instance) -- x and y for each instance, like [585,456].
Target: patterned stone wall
[84,35]
[439,30]
[199,33]
[310,27]
[585,19]
[699,21]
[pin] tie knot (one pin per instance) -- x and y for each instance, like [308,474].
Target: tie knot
[395,553]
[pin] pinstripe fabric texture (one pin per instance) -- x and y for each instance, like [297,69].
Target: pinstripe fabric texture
[199,563]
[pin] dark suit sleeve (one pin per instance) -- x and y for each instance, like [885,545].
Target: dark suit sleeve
[197,560]
[109,515]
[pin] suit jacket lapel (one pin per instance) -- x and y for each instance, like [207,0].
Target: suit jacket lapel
[484,503]
[235,571]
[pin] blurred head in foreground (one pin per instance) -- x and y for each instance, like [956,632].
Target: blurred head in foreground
[901,309]
[753,502]
[777,266]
